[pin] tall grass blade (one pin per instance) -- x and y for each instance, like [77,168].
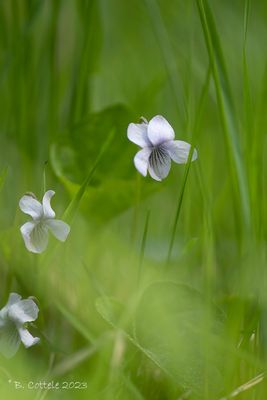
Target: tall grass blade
[181,194]
[226,109]
[161,34]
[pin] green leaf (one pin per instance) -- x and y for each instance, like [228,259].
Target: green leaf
[117,315]
[113,186]
[175,328]
[110,309]
[176,324]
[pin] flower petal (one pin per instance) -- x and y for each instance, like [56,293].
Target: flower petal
[159,163]
[141,160]
[27,339]
[23,311]
[179,151]
[31,206]
[9,339]
[159,130]
[48,211]
[13,298]
[35,236]
[59,229]
[152,174]
[137,133]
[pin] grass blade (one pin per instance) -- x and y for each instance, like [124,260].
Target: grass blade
[181,195]
[226,109]
[161,34]
[246,386]
[3,175]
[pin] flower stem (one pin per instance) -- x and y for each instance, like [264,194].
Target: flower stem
[44,177]
[179,206]
[143,246]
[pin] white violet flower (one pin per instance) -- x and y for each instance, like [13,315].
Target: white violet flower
[156,138]
[13,317]
[35,233]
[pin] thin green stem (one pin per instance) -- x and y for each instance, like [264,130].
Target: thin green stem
[179,206]
[181,193]
[143,246]
[44,177]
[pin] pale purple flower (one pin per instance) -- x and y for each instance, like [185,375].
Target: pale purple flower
[156,138]
[13,319]
[35,232]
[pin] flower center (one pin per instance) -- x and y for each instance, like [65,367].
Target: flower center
[158,157]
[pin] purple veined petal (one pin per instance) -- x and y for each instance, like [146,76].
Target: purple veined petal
[35,236]
[9,339]
[159,130]
[159,163]
[137,133]
[179,151]
[27,339]
[23,311]
[58,228]
[141,160]
[152,174]
[48,211]
[31,206]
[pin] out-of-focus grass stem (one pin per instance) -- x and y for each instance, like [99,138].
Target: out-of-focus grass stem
[181,193]
[143,246]
[179,206]
[228,118]
[161,34]
[44,178]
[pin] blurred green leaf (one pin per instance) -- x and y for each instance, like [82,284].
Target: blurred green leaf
[3,175]
[118,317]
[176,329]
[176,324]
[114,186]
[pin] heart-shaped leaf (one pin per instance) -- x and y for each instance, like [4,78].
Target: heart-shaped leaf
[114,185]
[182,330]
